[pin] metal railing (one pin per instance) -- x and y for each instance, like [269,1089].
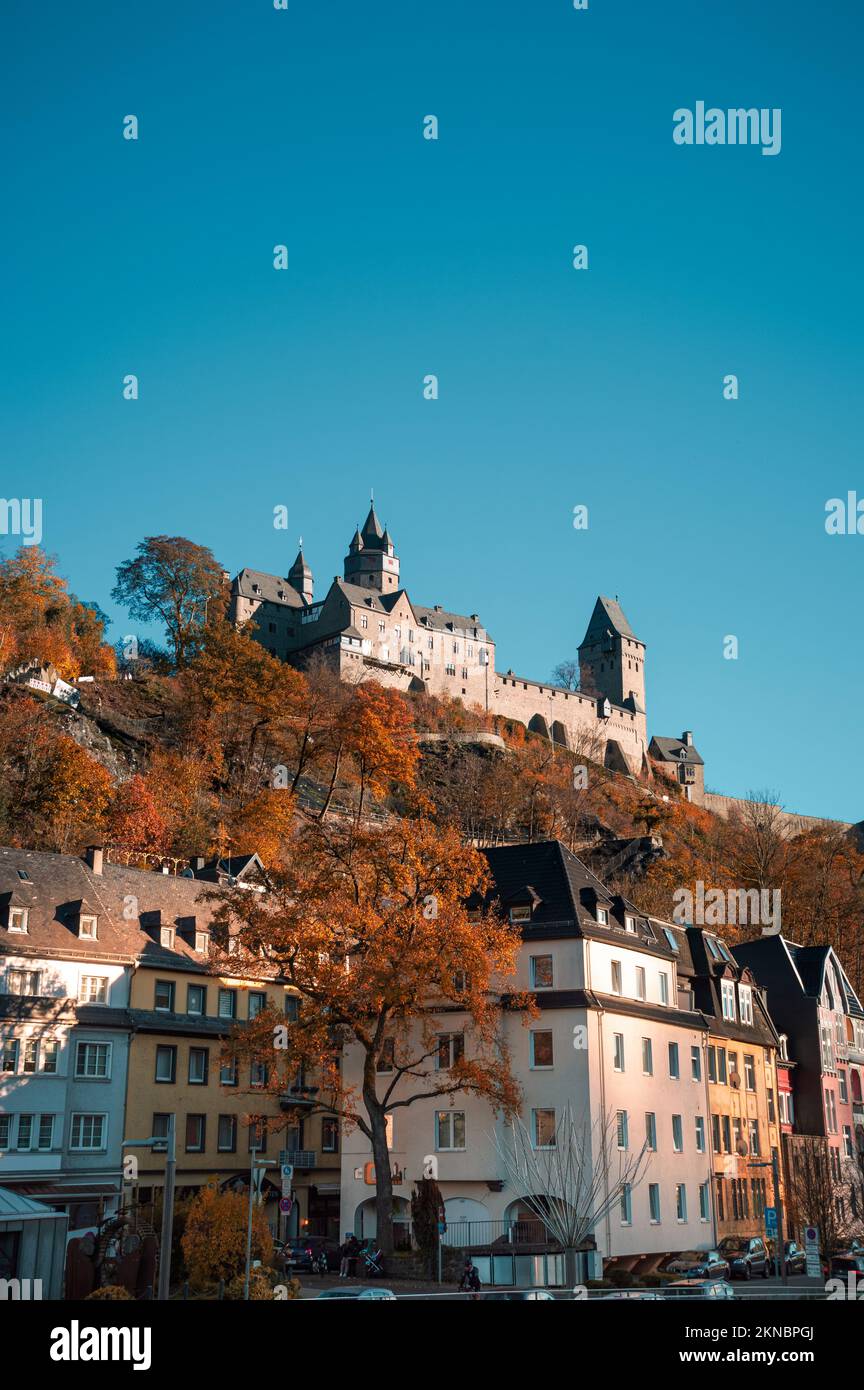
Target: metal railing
[474,1235]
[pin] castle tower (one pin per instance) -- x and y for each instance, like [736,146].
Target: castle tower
[300,576]
[612,659]
[372,561]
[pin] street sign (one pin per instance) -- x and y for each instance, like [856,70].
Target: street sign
[811,1249]
[287,1170]
[771,1222]
[285,1205]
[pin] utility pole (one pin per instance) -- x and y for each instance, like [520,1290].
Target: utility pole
[168,1211]
[170,1142]
[778,1202]
[256,1165]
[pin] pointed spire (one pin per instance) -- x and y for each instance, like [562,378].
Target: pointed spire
[373,531]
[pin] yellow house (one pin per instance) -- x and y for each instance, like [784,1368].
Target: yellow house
[182,1012]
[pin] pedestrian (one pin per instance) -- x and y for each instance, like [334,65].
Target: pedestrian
[470,1281]
[344,1262]
[353,1252]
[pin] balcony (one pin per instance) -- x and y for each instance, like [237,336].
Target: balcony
[298,1097]
[300,1158]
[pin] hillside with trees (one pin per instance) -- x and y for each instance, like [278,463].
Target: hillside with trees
[210,745]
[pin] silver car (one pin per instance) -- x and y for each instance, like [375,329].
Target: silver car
[357,1291]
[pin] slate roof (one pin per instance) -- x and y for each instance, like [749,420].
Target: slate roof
[372,535]
[669,750]
[59,881]
[607,614]
[569,894]
[273,588]
[369,598]
[441,619]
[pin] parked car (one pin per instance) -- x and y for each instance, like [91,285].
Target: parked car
[519,1296]
[841,1265]
[747,1255]
[300,1253]
[357,1291]
[698,1288]
[795,1257]
[699,1264]
[641,1295]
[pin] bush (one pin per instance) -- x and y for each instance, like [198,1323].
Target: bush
[621,1278]
[214,1241]
[260,1286]
[110,1291]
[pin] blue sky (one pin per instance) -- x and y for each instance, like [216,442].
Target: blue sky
[407,257]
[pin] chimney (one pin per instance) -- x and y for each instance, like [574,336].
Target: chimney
[687,737]
[94,857]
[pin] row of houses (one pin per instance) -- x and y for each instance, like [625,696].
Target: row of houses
[716,1060]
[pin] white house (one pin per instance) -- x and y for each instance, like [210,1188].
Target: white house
[613,1037]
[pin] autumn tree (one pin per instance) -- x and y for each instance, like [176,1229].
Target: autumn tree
[40,620]
[173,581]
[214,1238]
[371,930]
[75,791]
[379,739]
[135,821]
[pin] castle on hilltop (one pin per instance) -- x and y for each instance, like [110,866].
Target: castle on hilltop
[367,625]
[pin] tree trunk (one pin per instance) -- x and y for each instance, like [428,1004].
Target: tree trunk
[383,1177]
[326,807]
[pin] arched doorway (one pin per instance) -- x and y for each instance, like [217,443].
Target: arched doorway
[365,1217]
[537,725]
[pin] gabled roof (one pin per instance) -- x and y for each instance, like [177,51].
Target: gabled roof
[566,894]
[608,616]
[670,750]
[60,881]
[271,588]
[439,619]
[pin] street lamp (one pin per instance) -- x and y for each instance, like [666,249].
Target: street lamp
[260,1164]
[169,1140]
[778,1206]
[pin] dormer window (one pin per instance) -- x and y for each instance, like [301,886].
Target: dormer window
[202,942]
[17,919]
[602,917]
[166,937]
[745,1004]
[629,922]
[520,914]
[87,927]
